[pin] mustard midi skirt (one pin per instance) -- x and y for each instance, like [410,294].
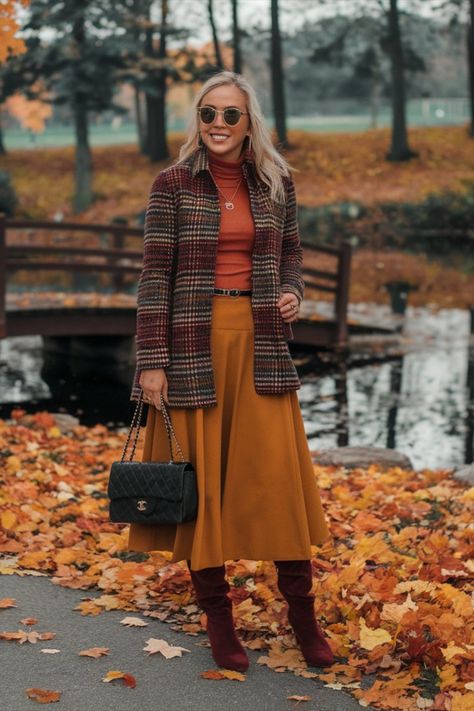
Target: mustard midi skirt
[258,495]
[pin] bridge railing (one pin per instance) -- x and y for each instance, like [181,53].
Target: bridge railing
[119,260]
[335,281]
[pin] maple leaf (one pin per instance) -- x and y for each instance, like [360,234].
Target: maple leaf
[394,612]
[299,699]
[133,622]
[370,638]
[7,602]
[94,652]
[128,679]
[43,696]
[217,674]
[153,646]
[22,636]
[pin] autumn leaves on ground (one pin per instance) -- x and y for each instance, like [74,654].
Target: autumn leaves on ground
[393,584]
[330,168]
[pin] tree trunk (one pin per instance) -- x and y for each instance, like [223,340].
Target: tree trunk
[83,164]
[470,55]
[141,127]
[236,38]
[215,38]
[399,149]
[157,147]
[3,150]
[375,91]
[278,91]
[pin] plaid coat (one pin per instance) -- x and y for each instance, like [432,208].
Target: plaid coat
[175,288]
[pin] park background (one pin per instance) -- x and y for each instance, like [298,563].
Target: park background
[372,104]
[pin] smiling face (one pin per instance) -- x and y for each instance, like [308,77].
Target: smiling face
[225,141]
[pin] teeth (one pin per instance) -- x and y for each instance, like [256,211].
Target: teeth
[218,137]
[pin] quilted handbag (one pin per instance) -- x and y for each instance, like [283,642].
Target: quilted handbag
[152,492]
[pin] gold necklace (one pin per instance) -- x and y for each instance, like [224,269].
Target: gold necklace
[228,202]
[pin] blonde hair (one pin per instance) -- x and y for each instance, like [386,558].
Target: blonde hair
[270,165]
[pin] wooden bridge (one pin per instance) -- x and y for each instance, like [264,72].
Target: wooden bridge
[113,253]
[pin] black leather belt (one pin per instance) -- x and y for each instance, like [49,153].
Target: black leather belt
[233,292]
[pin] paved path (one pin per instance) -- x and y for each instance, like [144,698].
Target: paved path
[167,685]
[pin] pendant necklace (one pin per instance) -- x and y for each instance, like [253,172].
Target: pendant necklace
[228,202]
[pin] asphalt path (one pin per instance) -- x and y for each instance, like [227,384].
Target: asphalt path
[162,684]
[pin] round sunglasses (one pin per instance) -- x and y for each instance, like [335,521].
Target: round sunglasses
[231,114]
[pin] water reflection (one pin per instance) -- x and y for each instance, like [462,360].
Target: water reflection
[420,402]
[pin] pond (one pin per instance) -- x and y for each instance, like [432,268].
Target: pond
[419,401]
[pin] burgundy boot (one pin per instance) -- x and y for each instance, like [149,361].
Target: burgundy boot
[211,589]
[295,580]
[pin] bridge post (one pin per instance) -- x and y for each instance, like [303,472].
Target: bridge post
[3,277]
[342,294]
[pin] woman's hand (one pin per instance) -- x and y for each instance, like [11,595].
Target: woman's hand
[289,306]
[153,382]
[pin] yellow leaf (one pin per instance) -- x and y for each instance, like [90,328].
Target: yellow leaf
[371,638]
[451,650]
[463,702]
[8,519]
[112,675]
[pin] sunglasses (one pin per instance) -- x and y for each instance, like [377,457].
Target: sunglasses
[231,114]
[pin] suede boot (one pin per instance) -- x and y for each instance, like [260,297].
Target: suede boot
[211,589]
[295,580]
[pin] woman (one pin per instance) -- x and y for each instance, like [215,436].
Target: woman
[220,286]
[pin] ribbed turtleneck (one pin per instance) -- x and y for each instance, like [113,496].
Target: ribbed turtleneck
[237,229]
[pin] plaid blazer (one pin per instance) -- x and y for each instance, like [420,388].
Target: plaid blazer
[175,287]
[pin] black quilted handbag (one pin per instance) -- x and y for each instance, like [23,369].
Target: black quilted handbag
[152,492]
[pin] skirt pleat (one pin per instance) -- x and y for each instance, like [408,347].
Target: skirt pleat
[258,495]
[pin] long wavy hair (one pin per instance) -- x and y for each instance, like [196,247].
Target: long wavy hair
[270,164]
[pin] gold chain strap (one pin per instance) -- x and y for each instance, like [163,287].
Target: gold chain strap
[136,420]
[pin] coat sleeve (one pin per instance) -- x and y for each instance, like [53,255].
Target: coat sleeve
[155,281]
[291,265]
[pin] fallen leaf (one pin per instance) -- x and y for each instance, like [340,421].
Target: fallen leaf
[43,696]
[22,636]
[153,646]
[94,652]
[128,679]
[7,602]
[133,622]
[371,638]
[216,674]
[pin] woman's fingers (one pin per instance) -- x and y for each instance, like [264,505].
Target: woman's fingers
[154,383]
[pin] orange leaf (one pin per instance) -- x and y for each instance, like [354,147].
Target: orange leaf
[43,696]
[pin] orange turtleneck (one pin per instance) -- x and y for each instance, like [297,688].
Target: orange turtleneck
[237,229]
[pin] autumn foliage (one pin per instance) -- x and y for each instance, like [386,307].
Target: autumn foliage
[10,44]
[393,584]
